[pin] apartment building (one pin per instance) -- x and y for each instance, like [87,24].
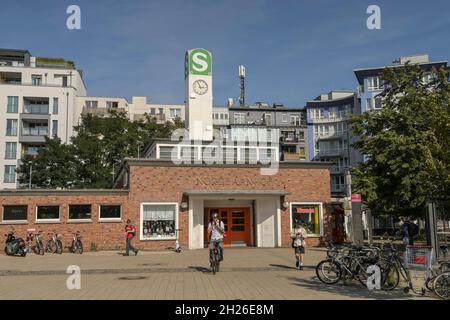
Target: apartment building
[370,84]
[329,138]
[37,100]
[288,124]
[136,109]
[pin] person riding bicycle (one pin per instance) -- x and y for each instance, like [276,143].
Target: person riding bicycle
[216,228]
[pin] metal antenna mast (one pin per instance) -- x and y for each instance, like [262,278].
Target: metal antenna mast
[242,85]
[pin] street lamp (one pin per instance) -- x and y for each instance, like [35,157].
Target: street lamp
[113,173]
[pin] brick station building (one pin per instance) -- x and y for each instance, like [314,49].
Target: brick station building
[161,197]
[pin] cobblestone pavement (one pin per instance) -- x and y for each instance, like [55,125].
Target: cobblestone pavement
[246,273]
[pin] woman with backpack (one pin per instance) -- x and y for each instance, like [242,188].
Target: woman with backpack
[130,234]
[299,236]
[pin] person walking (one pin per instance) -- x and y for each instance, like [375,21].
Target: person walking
[408,231]
[299,236]
[130,231]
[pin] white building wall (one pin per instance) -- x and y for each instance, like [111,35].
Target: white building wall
[51,87]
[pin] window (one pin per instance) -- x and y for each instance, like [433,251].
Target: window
[221,116]
[158,221]
[15,213]
[31,150]
[378,103]
[64,81]
[152,111]
[301,152]
[108,212]
[35,129]
[55,105]
[369,103]
[13,105]
[36,106]
[374,83]
[11,150]
[268,119]
[161,110]
[91,104]
[175,113]
[10,174]
[112,104]
[284,117]
[239,118]
[47,213]
[79,212]
[36,80]
[55,128]
[295,120]
[226,116]
[310,214]
[301,135]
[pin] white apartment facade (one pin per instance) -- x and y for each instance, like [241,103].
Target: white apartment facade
[37,99]
[136,109]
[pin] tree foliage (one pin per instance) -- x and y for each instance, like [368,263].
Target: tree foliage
[406,144]
[95,151]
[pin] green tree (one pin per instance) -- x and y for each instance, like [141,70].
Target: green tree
[93,156]
[52,167]
[406,144]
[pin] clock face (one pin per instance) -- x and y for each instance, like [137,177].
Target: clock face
[200,87]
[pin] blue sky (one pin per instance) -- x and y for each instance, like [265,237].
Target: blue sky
[293,50]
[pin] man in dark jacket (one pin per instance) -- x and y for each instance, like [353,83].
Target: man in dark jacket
[405,230]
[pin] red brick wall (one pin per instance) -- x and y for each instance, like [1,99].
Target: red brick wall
[167,184]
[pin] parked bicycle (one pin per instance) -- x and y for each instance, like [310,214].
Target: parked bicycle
[441,285]
[347,262]
[34,242]
[76,245]
[54,245]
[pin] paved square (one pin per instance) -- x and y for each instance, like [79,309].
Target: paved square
[246,273]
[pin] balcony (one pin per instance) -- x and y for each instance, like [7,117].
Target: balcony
[36,108]
[100,111]
[338,188]
[337,170]
[160,117]
[331,135]
[293,156]
[332,152]
[33,131]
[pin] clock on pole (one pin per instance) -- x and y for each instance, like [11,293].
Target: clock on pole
[199,100]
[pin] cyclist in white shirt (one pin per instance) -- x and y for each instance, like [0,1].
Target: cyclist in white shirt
[216,228]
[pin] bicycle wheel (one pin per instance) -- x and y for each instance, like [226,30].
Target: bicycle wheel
[441,285]
[389,275]
[328,272]
[59,247]
[51,246]
[79,248]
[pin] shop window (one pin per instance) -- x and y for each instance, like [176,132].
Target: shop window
[80,212]
[310,214]
[108,212]
[47,213]
[158,221]
[15,213]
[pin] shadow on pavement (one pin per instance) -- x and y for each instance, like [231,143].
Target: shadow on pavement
[200,269]
[355,291]
[289,267]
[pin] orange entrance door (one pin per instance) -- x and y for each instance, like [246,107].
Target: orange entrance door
[236,222]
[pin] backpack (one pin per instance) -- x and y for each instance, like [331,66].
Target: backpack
[413,229]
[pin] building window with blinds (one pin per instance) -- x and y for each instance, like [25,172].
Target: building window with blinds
[158,221]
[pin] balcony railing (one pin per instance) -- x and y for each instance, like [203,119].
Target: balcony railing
[293,156]
[36,108]
[328,135]
[42,131]
[331,152]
